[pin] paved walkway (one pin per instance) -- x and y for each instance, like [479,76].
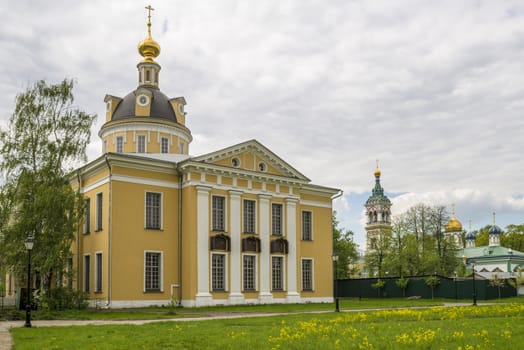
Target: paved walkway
[6,341]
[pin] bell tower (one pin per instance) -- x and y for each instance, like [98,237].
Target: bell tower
[378,214]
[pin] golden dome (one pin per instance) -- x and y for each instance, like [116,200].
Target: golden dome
[453,225]
[149,48]
[377,171]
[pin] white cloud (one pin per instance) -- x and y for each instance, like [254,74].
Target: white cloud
[435,92]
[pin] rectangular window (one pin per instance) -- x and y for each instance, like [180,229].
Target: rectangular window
[98,272]
[277,273]
[87,216]
[218,213]
[182,147]
[306,226]
[249,271]
[99,199]
[164,145]
[153,272]
[119,144]
[249,216]
[307,274]
[87,272]
[153,210]
[276,219]
[141,146]
[218,272]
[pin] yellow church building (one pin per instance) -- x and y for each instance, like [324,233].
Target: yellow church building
[238,225]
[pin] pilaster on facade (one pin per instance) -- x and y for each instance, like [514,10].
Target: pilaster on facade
[265,295]
[235,296]
[203,297]
[291,229]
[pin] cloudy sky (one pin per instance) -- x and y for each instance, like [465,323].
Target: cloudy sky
[433,89]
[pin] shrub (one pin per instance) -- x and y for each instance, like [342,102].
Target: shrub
[61,299]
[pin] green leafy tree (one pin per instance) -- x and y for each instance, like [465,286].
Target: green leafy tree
[497,282]
[379,250]
[514,237]
[378,285]
[432,282]
[45,137]
[402,283]
[346,249]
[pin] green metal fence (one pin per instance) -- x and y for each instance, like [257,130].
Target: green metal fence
[450,288]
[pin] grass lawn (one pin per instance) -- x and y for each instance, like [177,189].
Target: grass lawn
[467,328]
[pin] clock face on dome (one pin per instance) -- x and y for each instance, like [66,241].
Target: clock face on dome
[142,100]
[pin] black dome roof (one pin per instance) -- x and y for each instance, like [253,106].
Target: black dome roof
[160,107]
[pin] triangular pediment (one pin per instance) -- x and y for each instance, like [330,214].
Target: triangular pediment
[251,156]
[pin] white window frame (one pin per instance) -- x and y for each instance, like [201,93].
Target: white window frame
[99,272]
[164,141]
[99,225]
[161,211]
[139,144]
[161,272]
[247,215]
[119,144]
[86,274]
[182,147]
[87,215]
[281,223]
[304,238]
[283,273]
[254,274]
[225,273]
[224,215]
[312,273]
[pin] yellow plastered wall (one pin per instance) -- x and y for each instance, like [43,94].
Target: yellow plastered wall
[130,239]
[319,249]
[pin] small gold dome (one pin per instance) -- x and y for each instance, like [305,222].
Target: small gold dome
[149,49]
[377,171]
[453,225]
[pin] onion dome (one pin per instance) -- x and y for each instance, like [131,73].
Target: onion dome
[494,230]
[149,48]
[470,235]
[453,224]
[377,194]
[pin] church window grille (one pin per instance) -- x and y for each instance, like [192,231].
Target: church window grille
[141,146]
[276,219]
[153,210]
[164,146]
[307,274]
[307,234]
[119,144]
[277,273]
[218,272]
[99,203]
[153,271]
[249,270]
[218,213]
[249,216]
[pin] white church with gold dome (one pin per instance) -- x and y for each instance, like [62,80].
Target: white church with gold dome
[237,225]
[491,261]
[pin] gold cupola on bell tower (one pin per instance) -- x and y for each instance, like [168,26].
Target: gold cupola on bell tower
[148,48]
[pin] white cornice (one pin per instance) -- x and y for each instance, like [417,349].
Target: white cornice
[125,125]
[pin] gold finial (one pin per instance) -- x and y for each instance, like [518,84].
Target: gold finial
[149,8]
[149,48]
[377,171]
[453,209]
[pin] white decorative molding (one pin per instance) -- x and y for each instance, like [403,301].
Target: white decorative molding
[291,230]
[202,269]
[236,256]
[265,218]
